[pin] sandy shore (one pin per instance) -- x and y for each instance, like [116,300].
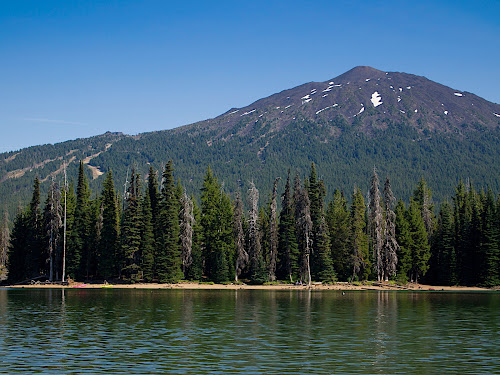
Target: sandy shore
[336,286]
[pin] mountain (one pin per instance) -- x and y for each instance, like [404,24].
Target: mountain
[406,125]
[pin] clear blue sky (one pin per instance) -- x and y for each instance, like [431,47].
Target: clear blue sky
[71,69]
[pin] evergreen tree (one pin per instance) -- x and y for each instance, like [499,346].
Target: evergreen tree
[339,226]
[195,270]
[154,198]
[462,218]
[239,236]
[169,252]
[287,267]
[303,229]
[216,221]
[273,234]
[489,249]
[53,216]
[264,235]
[78,250]
[360,261]
[68,200]
[403,237]
[419,245]
[321,261]
[476,256]
[423,198]
[147,245]
[110,232]
[225,258]
[130,233]
[256,260]
[443,257]
[34,262]
[18,248]
[391,246]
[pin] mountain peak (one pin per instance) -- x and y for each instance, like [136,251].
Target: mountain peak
[360,73]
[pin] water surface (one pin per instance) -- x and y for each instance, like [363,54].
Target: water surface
[133,331]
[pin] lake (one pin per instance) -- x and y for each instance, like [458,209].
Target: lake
[133,331]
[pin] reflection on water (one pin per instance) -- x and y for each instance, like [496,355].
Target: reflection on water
[273,332]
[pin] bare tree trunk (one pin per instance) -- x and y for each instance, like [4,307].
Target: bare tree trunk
[186,231]
[241,254]
[273,246]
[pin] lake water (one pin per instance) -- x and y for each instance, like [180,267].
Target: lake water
[134,331]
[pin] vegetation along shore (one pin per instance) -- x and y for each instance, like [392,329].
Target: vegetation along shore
[162,235]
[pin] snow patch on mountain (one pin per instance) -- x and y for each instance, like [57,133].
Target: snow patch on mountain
[247,113]
[376,99]
[324,109]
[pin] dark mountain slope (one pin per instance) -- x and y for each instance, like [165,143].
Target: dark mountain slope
[406,125]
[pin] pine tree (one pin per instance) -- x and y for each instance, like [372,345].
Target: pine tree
[321,262]
[216,221]
[403,237]
[423,198]
[476,256]
[195,270]
[78,245]
[339,226]
[169,253]
[18,248]
[154,198]
[359,240]
[419,246]
[68,200]
[391,246]
[256,261]
[303,228]
[443,258]
[462,218]
[147,245]
[34,262]
[273,234]
[377,227]
[110,232]
[53,215]
[489,249]
[130,233]
[287,267]
[225,257]
[239,236]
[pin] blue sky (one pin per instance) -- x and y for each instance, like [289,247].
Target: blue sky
[72,69]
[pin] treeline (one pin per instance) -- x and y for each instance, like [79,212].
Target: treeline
[161,234]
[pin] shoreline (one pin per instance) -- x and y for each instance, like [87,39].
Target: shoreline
[319,287]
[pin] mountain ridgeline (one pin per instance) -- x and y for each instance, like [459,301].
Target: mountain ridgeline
[406,125]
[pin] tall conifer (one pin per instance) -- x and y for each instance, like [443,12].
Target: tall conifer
[403,237]
[110,232]
[239,237]
[359,240]
[287,267]
[339,226]
[169,252]
[321,262]
[147,240]
[78,245]
[130,232]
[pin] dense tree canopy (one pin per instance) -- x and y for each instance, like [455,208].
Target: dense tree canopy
[163,234]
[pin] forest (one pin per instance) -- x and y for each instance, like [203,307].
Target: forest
[159,233]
